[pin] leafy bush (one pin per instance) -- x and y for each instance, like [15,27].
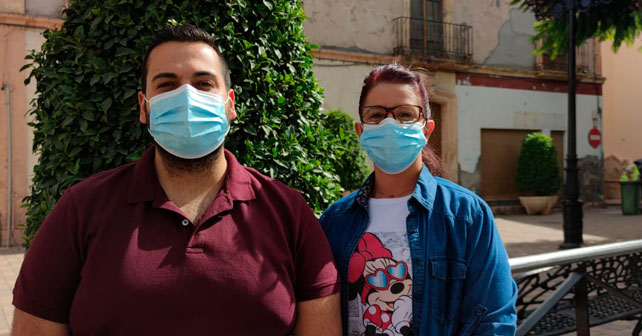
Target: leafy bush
[352,169]
[537,168]
[87,73]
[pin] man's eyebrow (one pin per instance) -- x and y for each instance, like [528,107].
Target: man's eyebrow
[203,73]
[164,75]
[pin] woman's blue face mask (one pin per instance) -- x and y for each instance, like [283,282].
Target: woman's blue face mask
[187,122]
[392,146]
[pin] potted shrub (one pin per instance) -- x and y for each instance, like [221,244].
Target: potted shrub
[538,176]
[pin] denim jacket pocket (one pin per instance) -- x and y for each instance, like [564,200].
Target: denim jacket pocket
[446,282]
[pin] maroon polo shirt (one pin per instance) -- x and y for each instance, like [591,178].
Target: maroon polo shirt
[116,256]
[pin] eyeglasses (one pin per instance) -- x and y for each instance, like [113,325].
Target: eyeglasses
[405,114]
[381,278]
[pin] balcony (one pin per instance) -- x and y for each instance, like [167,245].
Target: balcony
[433,40]
[584,60]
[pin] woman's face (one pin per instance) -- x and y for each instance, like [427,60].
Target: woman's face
[392,94]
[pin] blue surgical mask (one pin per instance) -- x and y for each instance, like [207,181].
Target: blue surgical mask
[187,122]
[392,146]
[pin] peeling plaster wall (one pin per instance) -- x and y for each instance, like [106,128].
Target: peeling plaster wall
[362,26]
[514,48]
[498,108]
[487,18]
[48,8]
[341,83]
[12,6]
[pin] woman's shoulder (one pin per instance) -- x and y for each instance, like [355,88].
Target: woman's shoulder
[339,207]
[459,200]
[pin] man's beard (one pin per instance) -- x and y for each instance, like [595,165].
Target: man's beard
[177,166]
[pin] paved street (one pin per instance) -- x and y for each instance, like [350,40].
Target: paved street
[527,235]
[10,261]
[522,235]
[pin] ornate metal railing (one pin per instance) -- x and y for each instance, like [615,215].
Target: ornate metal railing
[563,291]
[430,39]
[583,61]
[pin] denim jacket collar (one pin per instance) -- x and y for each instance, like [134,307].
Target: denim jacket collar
[424,193]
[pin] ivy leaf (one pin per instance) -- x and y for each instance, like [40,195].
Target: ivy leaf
[106,104]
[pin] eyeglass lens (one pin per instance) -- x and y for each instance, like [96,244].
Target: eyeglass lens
[403,113]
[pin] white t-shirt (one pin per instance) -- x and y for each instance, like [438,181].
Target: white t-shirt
[380,272]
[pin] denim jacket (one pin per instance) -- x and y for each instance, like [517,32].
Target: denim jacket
[462,283]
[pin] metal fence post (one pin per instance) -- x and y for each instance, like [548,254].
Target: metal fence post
[582,307]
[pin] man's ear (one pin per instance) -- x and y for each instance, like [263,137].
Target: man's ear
[429,128]
[231,112]
[358,127]
[142,106]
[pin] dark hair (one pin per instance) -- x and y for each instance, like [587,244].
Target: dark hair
[395,74]
[399,74]
[185,33]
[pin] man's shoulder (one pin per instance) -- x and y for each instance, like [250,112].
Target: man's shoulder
[270,187]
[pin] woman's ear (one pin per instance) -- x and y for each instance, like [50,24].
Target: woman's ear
[358,127]
[430,126]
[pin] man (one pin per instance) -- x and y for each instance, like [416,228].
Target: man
[186,240]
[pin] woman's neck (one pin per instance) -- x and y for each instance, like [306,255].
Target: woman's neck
[396,185]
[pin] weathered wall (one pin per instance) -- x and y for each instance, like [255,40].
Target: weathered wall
[361,26]
[487,18]
[504,108]
[12,6]
[48,8]
[514,48]
[12,40]
[341,83]
[622,101]
[20,34]
[622,134]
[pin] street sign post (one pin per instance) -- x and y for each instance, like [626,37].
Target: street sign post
[594,137]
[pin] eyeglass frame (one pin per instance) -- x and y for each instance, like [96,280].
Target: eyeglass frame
[389,110]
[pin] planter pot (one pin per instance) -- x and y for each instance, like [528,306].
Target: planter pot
[538,205]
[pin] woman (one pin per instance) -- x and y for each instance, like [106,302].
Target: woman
[417,254]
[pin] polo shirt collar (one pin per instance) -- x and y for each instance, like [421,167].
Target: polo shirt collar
[146,187]
[424,193]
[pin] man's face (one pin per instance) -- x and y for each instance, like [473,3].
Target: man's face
[173,64]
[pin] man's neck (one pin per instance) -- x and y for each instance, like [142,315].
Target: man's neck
[396,185]
[191,191]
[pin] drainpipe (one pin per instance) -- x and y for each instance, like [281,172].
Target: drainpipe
[7,87]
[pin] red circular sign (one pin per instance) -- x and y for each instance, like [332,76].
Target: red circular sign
[594,137]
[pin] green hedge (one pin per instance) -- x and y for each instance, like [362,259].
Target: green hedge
[537,168]
[353,168]
[87,73]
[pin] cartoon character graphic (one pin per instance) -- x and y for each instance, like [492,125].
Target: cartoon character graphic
[384,286]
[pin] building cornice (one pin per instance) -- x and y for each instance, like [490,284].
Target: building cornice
[448,66]
[29,21]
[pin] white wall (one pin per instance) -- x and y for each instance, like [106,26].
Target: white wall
[341,83]
[363,26]
[488,107]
